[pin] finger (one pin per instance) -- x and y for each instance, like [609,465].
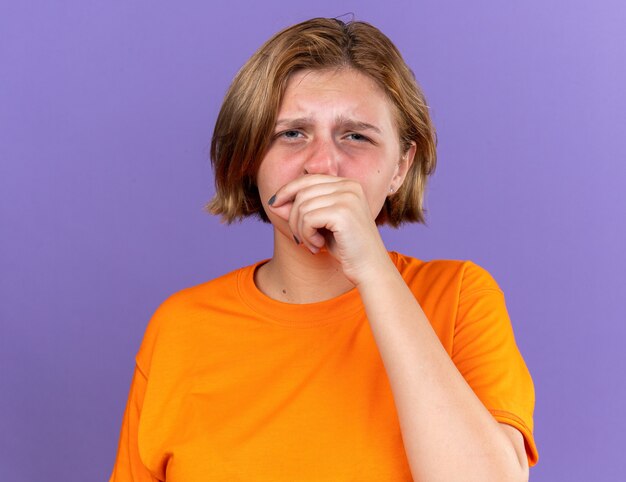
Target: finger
[289,191]
[317,228]
[282,211]
[295,223]
[302,188]
[314,186]
[318,220]
[298,218]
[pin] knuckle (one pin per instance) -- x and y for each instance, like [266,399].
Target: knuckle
[306,218]
[351,196]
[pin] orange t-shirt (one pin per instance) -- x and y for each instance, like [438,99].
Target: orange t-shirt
[232,385]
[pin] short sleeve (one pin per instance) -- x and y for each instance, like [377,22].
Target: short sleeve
[485,352]
[128,465]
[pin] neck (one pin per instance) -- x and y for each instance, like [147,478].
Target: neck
[295,275]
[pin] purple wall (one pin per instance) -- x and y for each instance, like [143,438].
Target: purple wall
[106,111]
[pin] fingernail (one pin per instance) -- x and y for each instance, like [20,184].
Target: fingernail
[272,199]
[296,239]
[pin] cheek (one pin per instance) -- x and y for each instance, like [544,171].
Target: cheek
[270,178]
[377,197]
[266,176]
[273,175]
[376,187]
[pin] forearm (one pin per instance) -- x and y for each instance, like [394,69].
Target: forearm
[448,434]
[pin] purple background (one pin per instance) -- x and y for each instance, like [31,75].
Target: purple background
[106,113]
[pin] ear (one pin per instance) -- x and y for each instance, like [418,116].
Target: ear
[405,163]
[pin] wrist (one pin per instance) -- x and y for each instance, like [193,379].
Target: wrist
[378,272]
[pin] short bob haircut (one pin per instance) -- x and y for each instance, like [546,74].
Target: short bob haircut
[246,122]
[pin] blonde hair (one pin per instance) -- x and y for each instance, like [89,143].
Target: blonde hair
[246,121]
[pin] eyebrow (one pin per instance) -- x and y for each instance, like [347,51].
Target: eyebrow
[344,122]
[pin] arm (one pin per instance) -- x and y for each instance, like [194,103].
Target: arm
[128,465]
[447,432]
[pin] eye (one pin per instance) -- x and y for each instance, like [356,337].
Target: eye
[355,136]
[290,134]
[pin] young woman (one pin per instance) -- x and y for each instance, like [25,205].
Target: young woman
[334,360]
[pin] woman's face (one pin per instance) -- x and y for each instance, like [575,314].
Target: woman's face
[338,123]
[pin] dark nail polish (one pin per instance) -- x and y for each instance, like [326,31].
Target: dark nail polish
[296,239]
[272,199]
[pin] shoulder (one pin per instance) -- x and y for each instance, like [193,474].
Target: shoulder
[184,308]
[210,291]
[195,297]
[461,276]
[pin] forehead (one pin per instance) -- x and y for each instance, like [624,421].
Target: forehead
[332,76]
[339,91]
